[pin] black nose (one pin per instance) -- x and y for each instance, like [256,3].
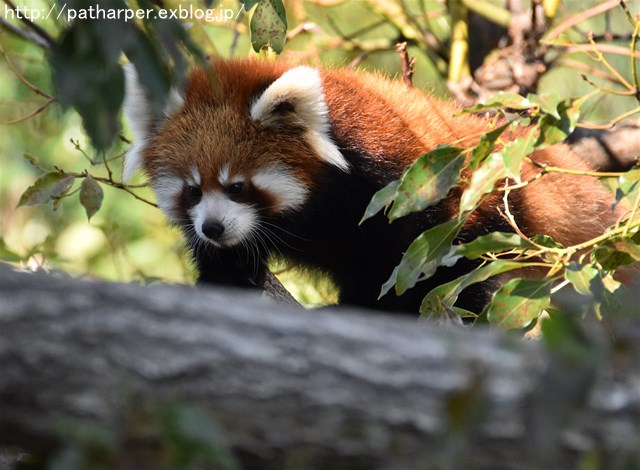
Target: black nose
[212,229]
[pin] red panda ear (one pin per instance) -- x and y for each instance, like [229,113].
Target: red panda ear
[140,113]
[298,96]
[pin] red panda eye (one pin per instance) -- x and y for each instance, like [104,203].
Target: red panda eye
[193,193]
[235,189]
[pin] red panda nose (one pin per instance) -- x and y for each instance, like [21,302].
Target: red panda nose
[212,229]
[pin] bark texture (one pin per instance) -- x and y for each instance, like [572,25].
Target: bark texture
[291,388]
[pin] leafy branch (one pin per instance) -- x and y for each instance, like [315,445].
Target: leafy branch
[596,53]
[58,184]
[493,165]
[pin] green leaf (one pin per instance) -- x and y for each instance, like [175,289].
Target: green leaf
[170,34]
[588,281]
[518,302]
[88,76]
[90,196]
[49,186]
[609,258]
[513,154]
[584,279]
[381,200]
[423,256]
[195,439]
[554,130]
[611,301]
[386,287]
[548,103]
[564,334]
[492,243]
[625,187]
[6,254]
[626,245]
[546,241]
[268,25]
[485,146]
[503,100]
[617,251]
[427,181]
[483,181]
[443,297]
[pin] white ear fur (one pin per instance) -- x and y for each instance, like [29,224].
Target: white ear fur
[302,88]
[139,112]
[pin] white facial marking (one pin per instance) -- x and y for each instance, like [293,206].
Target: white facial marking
[239,220]
[223,176]
[302,87]
[278,181]
[167,189]
[195,174]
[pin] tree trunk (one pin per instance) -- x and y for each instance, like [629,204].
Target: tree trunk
[289,388]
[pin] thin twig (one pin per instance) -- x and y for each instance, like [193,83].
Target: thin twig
[21,77]
[35,112]
[46,37]
[113,184]
[511,219]
[605,62]
[609,91]
[76,145]
[634,63]
[23,33]
[574,64]
[554,169]
[612,122]
[408,63]
[359,58]
[604,48]
[580,17]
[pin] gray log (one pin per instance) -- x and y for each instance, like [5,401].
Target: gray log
[292,388]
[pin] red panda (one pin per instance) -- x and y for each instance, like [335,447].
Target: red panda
[265,158]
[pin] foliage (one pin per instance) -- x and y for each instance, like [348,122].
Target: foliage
[175,436]
[587,268]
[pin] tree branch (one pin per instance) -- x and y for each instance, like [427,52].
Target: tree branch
[328,389]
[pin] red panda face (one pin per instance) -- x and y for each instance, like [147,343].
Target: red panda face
[221,164]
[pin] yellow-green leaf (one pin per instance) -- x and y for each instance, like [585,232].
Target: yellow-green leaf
[49,186]
[483,181]
[381,200]
[518,302]
[91,195]
[427,181]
